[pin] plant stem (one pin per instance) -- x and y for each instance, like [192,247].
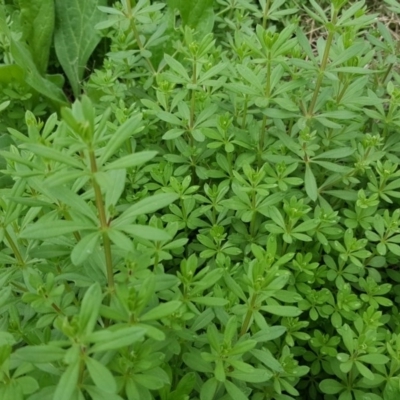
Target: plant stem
[193,100]
[265,15]
[103,221]
[249,314]
[14,247]
[323,66]
[389,68]
[264,120]
[136,33]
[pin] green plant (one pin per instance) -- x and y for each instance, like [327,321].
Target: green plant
[208,213]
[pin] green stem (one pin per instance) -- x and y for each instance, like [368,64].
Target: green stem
[261,141]
[265,15]
[264,120]
[323,66]
[249,314]
[244,112]
[14,247]
[137,36]
[103,221]
[193,100]
[254,216]
[389,68]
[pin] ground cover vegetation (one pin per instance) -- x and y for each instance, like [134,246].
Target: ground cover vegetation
[199,200]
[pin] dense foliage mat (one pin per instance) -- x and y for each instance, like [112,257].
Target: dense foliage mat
[199,200]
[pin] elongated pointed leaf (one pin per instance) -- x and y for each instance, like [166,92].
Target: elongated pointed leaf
[101,375]
[161,311]
[40,354]
[38,17]
[50,229]
[110,340]
[310,184]
[147,232]
[131,160]
[145,206]
[90,308]
[67,384]
[129,128]
[75,36]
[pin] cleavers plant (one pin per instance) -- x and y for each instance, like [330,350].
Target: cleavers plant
[199,200]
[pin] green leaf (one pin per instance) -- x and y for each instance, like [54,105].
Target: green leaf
[147,232]
[67,383]
[364,371]
[52,154]
[10,73]
[131,160]
[90,308]
[105,340]
[234,391]
[49,229]
[71,199]
[145,206]
[99,394]
[178,68]
[40,354]
[208,389]
[210,301]
[378,359]
[258,375]
[128,129]
[161,311]
[115,185]
[37,18]
[195,13]
[330,386]
[340,152]
[283,311]
[100,375]
[75,36]
[23,58]
[310,184]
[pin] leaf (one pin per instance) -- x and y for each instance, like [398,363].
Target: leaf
[101,376]
[340,152]
[99,394]
[115,187]
[378,359]
[283,311]
[161,311]
[75,36]
[68,197]
[37,18]
[178,68]
[52,154]
[67,383]
[364,371]
[210,301]
[330,386]
[40,354]
[131,160]
[234,391]
[147,232]
[310,184]
[49,229]
[145,206]
[196,14]
[10,73]
[90,308]
[105,340]
[23,58]
[129,128]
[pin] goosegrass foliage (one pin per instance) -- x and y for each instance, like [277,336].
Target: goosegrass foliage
[214,217]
